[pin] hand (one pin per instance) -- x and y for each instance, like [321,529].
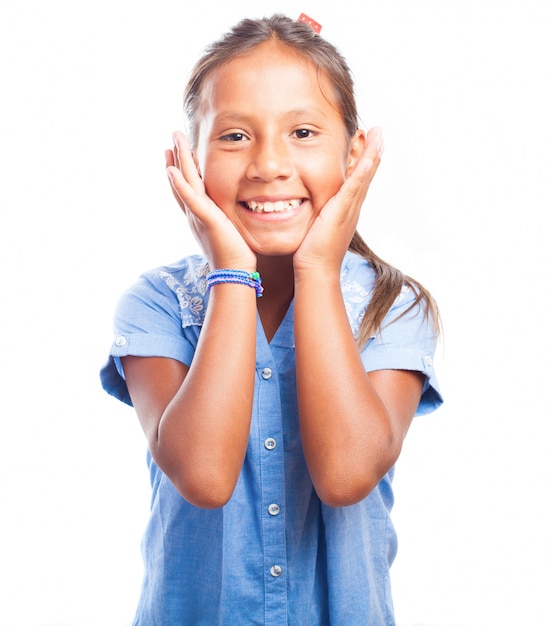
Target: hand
[222,244]
[329,236]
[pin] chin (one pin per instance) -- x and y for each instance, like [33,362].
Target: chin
[275,250]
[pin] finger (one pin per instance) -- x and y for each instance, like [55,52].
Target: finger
[175,154]
[169,158]
[179,186]
[373,151]
[361,176]
[375,140]
[172,172]
[185,161]
[180,145]
[356,185]
[187,185]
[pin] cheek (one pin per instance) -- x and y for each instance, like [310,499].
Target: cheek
[330,180]
[216,192]
[219,179]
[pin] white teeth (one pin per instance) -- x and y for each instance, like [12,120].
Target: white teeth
[272,207]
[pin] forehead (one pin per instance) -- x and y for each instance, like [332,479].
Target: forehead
[270,76]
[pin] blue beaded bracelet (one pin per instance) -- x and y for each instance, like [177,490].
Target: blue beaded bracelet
[240,277]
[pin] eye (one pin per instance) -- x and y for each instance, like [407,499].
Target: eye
[234,137]
[303,133]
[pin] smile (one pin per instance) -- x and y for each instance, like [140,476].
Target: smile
[280,206]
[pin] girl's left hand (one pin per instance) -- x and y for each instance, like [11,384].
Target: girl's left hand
[329,236]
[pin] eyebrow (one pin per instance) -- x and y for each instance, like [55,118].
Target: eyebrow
[224,118]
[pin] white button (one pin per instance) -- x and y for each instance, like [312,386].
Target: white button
[266,373]
[428,360]
[274,509]
[276,571]
[120,341]
[270,443]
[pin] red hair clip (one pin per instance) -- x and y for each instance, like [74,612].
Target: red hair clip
[312,23]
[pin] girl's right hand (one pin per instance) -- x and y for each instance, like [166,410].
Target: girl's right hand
[221,242]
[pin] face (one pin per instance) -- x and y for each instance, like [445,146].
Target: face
[272,146]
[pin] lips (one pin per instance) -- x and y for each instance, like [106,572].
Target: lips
[279,206]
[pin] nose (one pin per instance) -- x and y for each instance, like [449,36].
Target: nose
[270,160]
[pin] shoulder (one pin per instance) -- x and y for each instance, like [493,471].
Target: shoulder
[178,287]
[356,269]
[159,315]
[357,282]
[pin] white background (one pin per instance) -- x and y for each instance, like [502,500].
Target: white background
[90,93]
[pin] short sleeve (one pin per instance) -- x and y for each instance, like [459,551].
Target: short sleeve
[149,321]
[407,341]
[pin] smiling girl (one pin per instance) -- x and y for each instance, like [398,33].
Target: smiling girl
[276,375]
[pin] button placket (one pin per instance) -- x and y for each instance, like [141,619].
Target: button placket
[273,494]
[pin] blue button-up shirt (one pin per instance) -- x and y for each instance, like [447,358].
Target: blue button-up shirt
[274,554]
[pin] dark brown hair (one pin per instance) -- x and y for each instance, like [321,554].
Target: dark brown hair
[303,40]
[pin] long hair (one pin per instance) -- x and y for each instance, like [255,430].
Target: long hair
[303,40]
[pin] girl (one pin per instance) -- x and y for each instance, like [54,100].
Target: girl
[273,422]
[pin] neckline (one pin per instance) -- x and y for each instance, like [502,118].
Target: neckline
[284,335]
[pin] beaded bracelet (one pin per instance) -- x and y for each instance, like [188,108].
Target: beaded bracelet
[240,277]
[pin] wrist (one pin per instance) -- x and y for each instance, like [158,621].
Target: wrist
[221,263]
[238,277]
[317,273]
[329,263]
[227,258]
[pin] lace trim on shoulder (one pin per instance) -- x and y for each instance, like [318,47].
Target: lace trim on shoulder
[357,297]
[190,288]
